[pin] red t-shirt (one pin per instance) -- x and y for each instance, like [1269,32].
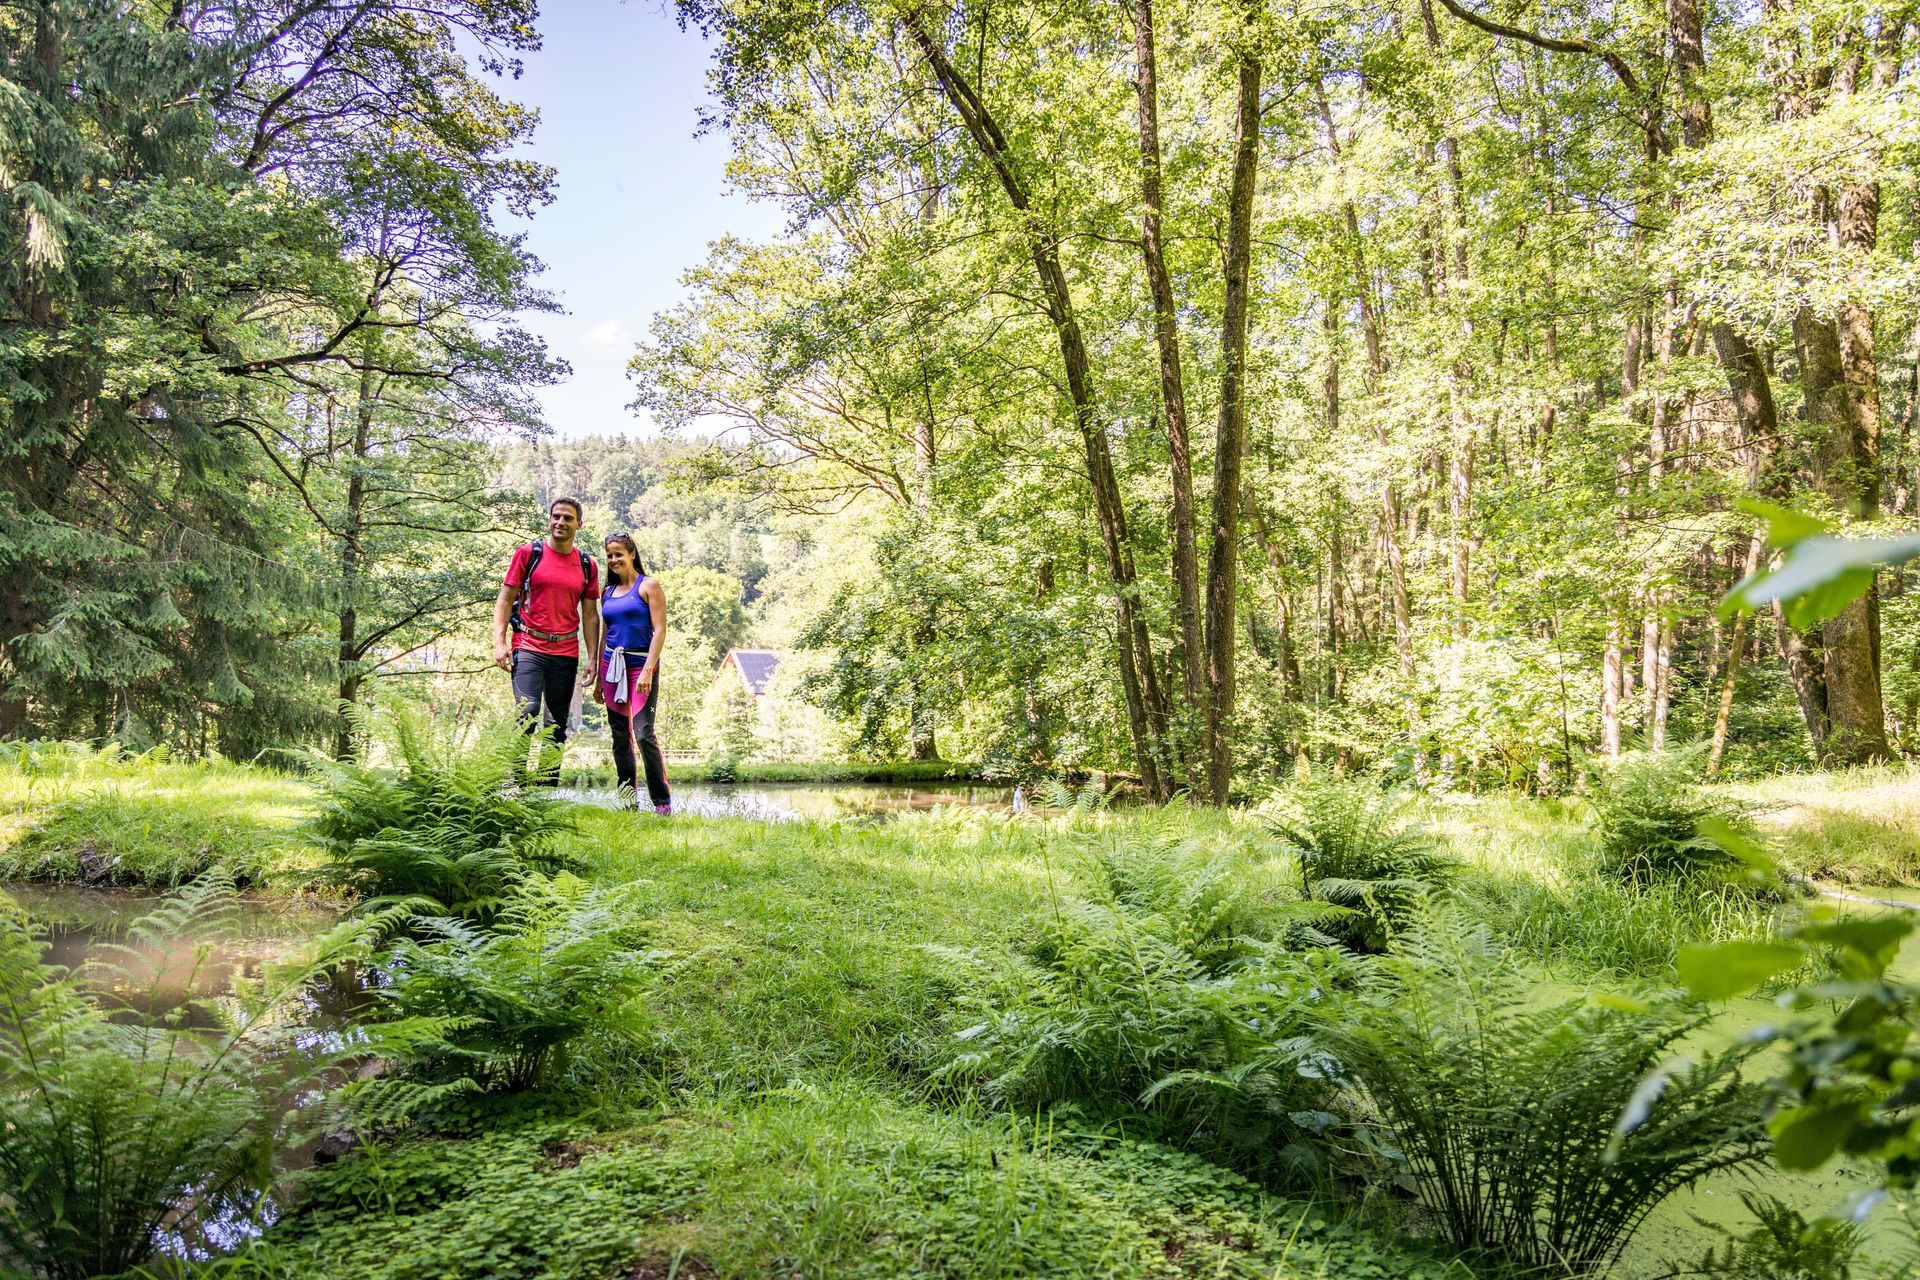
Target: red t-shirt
[553,598]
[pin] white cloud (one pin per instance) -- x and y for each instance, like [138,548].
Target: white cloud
[611,334]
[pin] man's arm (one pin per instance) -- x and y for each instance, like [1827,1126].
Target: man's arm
[590,632]
[502,642]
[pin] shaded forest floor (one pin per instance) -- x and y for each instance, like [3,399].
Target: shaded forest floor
[783,1115]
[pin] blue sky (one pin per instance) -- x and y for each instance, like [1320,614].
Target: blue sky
[619,87]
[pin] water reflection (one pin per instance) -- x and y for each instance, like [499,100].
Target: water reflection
[87,930]
[793,802]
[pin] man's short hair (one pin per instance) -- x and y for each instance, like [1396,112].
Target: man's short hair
[579,513]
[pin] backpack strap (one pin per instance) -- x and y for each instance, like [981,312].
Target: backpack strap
[526,584]
[586,573]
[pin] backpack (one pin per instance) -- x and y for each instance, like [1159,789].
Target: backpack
[534,552]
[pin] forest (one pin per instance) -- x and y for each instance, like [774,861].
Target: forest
[1339,590]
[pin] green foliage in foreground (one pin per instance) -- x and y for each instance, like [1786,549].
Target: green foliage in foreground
[454,826]
[1542,1133]
[563,961]
[819,1180]
[115,1128]
[1851,1079]
[1166,999]
[783,1077]
[1783,1244]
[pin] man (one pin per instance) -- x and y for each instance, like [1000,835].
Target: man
[548,603]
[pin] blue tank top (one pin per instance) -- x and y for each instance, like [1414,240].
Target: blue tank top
[629,620]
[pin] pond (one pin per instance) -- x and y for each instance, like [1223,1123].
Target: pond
[821,801]
[85,929]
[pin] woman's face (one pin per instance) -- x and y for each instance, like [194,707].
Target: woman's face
[619,561]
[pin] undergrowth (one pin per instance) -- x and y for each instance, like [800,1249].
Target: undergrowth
[453,828]
[1651,812]
[1165,995]
[1359,849]
[563,963]
[1538,1133]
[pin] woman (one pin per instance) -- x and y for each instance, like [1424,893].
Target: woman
[634,611]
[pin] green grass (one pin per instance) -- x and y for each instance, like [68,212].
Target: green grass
[70,814]
[1535,877]
[780,1114]
[815,1180]
[1860,827]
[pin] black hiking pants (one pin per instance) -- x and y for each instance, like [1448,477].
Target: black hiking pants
[543,685]
[637,730]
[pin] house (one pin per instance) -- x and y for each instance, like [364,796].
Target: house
[753,667]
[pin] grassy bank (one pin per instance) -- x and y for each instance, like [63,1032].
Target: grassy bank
[791,1105]
[1860,827]
[68,813]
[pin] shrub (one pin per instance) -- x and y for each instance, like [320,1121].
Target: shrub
[1543,1134]
[115,1129]
[1359,850]
[453,825]
[564,962]
[1784,1245]
[1650,812]
[1166,999]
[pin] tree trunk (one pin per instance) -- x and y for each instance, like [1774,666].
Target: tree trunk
[352,562]
[1807,669]
[1173,397]
[1612,691]
[1662,684]
[1136,668]
[1223,567]
[1736,648]
[922,724]
[1371,331]
[1855,712]
[1462,436]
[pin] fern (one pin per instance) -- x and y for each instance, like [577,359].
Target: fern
[1543,1134]
[1359,852]
[563,962]
[117,1127]
[1165,997]
[1783,1244]
[1651,812]
[452,830]
[1085,801]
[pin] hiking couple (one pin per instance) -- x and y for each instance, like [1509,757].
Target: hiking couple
[549,603]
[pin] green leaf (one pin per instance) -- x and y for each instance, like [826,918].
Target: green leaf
[1723,834]
[1819,576]
[1807,1137]
[1720,970]
[1785,526]
[1876,937]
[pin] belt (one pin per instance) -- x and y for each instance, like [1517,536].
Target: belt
[538,634]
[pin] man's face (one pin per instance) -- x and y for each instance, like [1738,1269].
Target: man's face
[562,522]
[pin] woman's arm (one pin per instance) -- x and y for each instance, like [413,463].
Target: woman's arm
[656,597]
